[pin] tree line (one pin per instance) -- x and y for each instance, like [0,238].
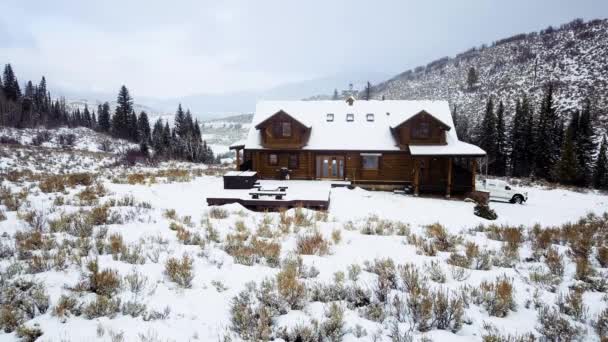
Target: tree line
[540,142]
[35,108]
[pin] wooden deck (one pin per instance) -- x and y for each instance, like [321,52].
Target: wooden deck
[306,194]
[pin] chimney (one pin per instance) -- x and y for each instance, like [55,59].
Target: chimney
[350,100]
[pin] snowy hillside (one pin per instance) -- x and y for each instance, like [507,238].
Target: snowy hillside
[573,56]
[221,133]
[93,251]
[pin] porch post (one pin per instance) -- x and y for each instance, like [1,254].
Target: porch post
[416,177]
[473,170]
[238,159]
[449,185]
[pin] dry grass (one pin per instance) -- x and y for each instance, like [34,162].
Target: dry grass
[290,288]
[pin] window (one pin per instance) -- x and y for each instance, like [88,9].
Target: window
[294,161]
[422,131]
[286,129]
[370,117]
[370,161]
[350,117]
[330,117]
[273,159]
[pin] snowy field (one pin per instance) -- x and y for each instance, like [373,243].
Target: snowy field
[340,275]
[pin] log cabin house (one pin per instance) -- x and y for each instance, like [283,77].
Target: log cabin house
[376,144]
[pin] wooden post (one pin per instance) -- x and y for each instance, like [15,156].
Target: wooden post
[449,185]
[416,176]
[473,170]
[238,159]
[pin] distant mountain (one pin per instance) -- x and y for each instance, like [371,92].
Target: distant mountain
[573,56]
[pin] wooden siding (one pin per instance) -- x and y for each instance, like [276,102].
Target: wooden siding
[437,132]
[299,133]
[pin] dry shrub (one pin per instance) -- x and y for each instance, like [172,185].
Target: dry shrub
[83,178]
[218,213]
[336,236]
[441,240]
[99,215]
[583,269]
[102,306]
[573,305]
[312,244]
[115,245]
[555,262]
[10,200]
[291,290]
[20,301]
[180,271]
[497,297]
[28,334]
[88,196]
[252,312]
[52,183]
[170,214]
[602,256]
[66,306]
[248,251]
[553,327]
[387,277]
[105,282]
[601,324]
[136,178]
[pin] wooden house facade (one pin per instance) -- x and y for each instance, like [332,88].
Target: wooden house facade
[370,143]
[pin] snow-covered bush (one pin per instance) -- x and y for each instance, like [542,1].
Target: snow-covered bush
[102,306]
[21,300]
[496,297]
[553,327]
[483,210]
[180,271]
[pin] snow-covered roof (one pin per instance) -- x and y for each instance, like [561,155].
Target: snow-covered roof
[359,134]
[453,147]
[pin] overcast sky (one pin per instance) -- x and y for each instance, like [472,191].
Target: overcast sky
[182,47]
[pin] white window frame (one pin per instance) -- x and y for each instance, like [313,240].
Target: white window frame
[350,117]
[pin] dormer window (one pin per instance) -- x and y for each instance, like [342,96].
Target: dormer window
[330,117]
[369,117]
[350,117]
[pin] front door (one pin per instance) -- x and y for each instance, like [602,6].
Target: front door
[330,167]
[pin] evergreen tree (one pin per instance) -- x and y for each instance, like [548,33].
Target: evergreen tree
[157,136]
[143,128]
[585,145]
[566,169]
[11,88]
[133,127]
[472,78]
[368,91]
[501,140]
[180,121]
[335,96]
[547,136]
[487,138]
[86,116]
[600,172]
[104,117]
[124,108]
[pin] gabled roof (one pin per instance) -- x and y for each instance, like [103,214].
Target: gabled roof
[281,112]
[358,135]
[424,112]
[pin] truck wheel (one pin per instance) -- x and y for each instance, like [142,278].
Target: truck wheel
[517,199]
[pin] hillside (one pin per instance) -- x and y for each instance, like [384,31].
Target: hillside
[573,56]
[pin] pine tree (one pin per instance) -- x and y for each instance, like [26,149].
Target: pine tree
[180,121]
[335,96]
[472,78]
[547,136]
[567,168]
[11,88]
[501,140]
[600,172]
[143,127]
[368,91]
[157,137]
[86,117]
[124,108]
[528,134]
[104,117]
[133,127]
[487,135]
[585,145]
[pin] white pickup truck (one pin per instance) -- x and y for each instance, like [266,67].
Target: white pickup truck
[501,191]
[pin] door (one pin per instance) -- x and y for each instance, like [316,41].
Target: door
[330,167]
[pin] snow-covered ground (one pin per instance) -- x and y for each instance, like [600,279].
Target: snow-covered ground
[360,226]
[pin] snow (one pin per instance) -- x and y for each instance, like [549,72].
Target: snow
[202,312]
[359,134]
[453,147]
